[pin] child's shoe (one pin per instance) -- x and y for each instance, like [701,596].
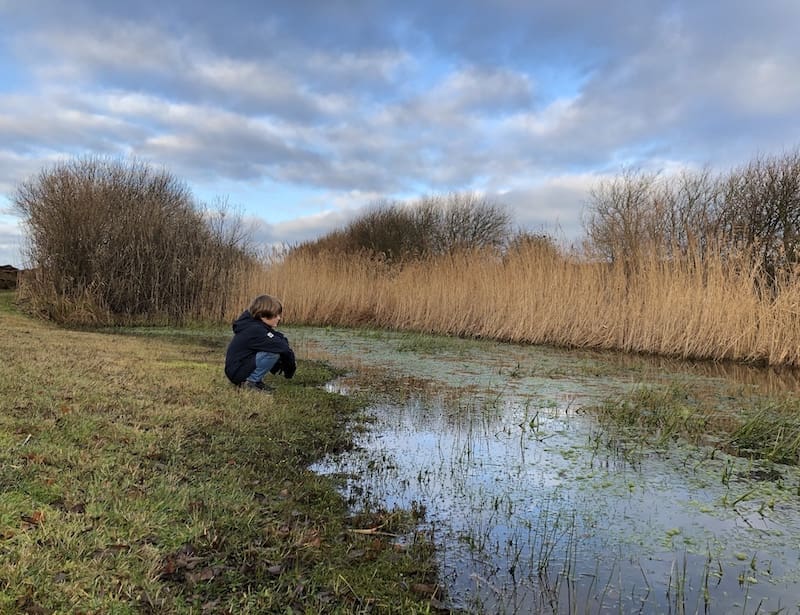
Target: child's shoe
[256,386]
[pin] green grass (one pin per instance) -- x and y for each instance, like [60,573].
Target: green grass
[757,428]
[135,479]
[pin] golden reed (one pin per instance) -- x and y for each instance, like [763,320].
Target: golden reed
[683,307]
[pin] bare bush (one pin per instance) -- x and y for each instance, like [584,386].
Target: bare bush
[390,230]
[434,225]
[126,239]
[626,215]
[762,212]
[465,221]
[524,243]
[692,208]
[752,211]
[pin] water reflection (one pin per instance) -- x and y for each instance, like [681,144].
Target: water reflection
[535,509]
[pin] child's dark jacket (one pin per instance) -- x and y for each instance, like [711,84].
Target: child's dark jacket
[253,335]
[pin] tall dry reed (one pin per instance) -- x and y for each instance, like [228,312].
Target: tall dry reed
[687,307]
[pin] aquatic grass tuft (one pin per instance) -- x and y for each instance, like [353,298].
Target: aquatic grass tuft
[757,429]
[662,414]
[770,431]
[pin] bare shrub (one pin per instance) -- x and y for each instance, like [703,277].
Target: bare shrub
[762,212]
[693,202]
[626,215]
[752,211]
[433,225]
[125,239]
[335,242]
[465,221]
[532,244]
[390,230]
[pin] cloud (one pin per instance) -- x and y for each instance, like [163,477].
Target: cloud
[521,99]
[552,206]
[474,89]
[337,210]
[11,242]
[16,168]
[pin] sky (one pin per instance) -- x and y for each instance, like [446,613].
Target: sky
[301,114]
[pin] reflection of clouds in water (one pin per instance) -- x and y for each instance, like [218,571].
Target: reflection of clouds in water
[510,475]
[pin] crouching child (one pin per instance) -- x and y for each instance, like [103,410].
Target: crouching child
[257,348]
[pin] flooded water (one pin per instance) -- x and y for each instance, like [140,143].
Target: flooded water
[534,507]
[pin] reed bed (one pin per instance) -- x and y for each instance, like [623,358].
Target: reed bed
[684,307]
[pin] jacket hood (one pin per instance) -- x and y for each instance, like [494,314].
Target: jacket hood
[244,320]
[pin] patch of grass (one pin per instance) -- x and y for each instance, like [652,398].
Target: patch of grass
[8,300]
[770,431]
[134,478]
[761,429]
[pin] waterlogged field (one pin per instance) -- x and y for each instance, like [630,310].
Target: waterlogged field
[536,506]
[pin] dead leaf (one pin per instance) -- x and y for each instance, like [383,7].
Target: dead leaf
[34,519]
[149,539]
[310,539]
[206,574]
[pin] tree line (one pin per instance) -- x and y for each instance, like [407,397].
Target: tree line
[115,240]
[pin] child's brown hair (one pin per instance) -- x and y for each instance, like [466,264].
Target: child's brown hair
[265,306]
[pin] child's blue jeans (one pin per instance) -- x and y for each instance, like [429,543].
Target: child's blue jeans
[264,363]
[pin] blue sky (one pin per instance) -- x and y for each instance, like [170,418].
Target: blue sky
[302,113]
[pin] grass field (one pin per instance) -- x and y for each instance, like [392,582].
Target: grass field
[135,479]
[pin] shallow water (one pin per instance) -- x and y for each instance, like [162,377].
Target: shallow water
[534,508]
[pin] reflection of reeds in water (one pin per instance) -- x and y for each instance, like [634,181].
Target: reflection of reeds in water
[682,307]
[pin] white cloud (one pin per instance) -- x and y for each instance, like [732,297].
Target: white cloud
[552,206]
[481,89]
[766,85]
[525,100]
[11,242]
